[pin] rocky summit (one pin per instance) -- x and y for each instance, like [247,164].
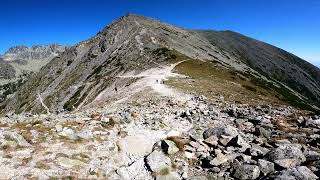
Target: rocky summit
[144,99]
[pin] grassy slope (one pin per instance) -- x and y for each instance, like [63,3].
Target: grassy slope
[212,80]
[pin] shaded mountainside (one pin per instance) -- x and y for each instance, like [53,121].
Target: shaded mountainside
[272,62]
[90,71]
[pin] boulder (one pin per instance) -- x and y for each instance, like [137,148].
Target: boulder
[218,131]
[257,150]
[169,147]
[312,155]
[313,123]
[211,141]
[247,171]
[19,139]
[219,159]
[300,173]
[266,167]
[264,132]
[213,131]
[68,133]
[158,162]
[135,145]
[238,141]
[286,155]
[136,170]
[224,140]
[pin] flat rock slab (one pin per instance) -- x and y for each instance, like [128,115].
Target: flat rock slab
[135,145]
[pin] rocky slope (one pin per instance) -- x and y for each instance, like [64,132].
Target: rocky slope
[146,100]
[20,61]
[152,137]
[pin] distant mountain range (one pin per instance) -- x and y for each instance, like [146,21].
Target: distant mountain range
[20,61]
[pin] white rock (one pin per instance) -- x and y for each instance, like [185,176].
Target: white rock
[135,145]
[85,134]
[169,147]
[158,162]
[169,176]
[189,155]
[69,163]
[58,127]
[69,133]
[136,170]
[172,133]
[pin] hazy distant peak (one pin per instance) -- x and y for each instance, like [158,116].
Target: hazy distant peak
[34,52]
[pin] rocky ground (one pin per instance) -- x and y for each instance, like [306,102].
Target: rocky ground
[163,138]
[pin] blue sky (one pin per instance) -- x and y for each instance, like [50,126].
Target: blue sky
[293,25]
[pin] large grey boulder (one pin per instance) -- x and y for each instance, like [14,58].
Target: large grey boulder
[218,131]
[19,139]
[247,171]
[298,173]
[238,141]
[266,167]
[286,155]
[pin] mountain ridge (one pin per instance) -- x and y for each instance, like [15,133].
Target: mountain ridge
[135,43]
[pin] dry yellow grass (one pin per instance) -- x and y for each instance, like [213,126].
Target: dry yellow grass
[212,80]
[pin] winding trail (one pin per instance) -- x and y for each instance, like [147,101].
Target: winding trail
[42,103]
[150,79]
[155,77]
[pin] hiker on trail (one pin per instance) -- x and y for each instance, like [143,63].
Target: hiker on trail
[116,89]
[157,81]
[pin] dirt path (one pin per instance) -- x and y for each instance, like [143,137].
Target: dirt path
[150,79]
[155,77]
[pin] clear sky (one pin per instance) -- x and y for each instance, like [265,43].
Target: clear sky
[293,25]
